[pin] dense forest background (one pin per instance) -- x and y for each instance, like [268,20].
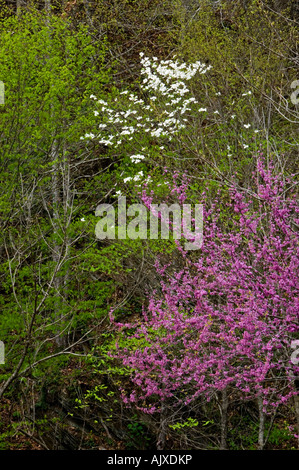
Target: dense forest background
[95,357]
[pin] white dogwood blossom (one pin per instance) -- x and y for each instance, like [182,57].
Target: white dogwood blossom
[137,158]
[129,178]
[160,110]
[138,176]
[140,124]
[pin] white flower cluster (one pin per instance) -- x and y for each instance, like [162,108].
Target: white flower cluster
[88,136]
[168,100]
[169,70]
[137,158]
[167,78]
[134,178]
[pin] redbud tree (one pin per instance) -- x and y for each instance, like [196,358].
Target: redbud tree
[228,318]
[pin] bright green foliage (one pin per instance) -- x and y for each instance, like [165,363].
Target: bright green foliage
[48,69]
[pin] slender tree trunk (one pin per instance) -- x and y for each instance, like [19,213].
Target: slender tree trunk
[296,402]
[163,429]
[87,11]
[60,200]
[19,2]
[57,247]
[223,425]
[62,213]
[67,216]
[261,423]
[48,6]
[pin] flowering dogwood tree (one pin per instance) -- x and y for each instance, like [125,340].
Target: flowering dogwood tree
[163,82]
[138,125]
[161,121]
